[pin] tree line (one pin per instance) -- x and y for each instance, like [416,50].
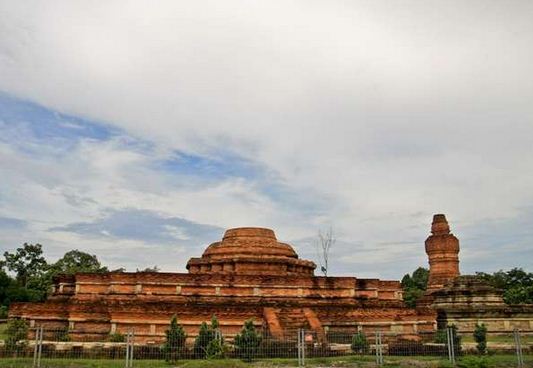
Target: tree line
[516,285]
[26,275]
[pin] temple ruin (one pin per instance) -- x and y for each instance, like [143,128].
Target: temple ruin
[249,274]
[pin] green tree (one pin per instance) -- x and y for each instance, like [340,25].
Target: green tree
[34,276]
[215,349]
[5,282]
[29,267]
[12,291]
[516,284]
[480,336]
[77,261]
[247,342]
[209,342]
[17,330]
[203,339]
[414,286]
[72,262]
[117,337]
[175,341]
[359,343]
[27,262]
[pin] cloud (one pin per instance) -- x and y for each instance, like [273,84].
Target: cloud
[145,226]
[10,223]
[367,116]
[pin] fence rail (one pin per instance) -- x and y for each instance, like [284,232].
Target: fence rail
[41,345]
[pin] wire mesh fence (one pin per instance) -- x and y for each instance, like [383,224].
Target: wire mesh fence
[40,346]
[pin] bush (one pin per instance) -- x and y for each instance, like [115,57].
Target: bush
[209,343]
[116,337]
[247,342]
[480,336]
[203,339]
[441,337]
[359,343]
[175,341]
[17,329]
[215,349]
[62,335]
[3,311]
[473,362]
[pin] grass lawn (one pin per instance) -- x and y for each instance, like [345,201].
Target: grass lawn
[501,339]
[497,361]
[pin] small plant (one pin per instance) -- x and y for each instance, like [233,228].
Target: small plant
[3,312]
[175,341]
[247,342]
[215,349]
[17,330]
[117,337]
[441,337]
[359,343]
[202,340]
[480,336]
[473,362]
[63,336]
[209,342]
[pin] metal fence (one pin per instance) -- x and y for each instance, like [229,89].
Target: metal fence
[42,347]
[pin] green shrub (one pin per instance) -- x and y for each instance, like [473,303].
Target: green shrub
[209,342]
[17,329]
[175,341]
[247,342]
[441,337]
[116,337]
[215,349]
[359,343]
[473,362]
[3,311]
[205,335]
[480,336]
[60,335]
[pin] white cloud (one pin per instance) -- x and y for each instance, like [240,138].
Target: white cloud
[387,112]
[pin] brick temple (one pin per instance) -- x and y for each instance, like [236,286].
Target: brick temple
[249,274]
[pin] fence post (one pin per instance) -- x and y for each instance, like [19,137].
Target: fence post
[35,348]
[448,344]
[518,345]
[450,337]
[40,350]
[299,350]
[303,347]
[132,345]
[379,351]
[380,348]
[129,349]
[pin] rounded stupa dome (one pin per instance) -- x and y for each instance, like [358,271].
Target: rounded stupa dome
[246,241]
[250,250]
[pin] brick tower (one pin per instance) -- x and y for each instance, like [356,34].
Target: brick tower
[442,249]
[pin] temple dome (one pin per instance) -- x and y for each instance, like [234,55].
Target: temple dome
[250,250]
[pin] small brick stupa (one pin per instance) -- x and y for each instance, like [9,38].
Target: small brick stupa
[442,248]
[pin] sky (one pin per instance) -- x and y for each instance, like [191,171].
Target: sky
[139,132]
